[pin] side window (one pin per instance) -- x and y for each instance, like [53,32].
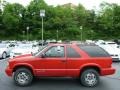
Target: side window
[55,51]
[94,51]
[71,53]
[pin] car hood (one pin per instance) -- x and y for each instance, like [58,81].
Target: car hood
[22,57]
[26,55]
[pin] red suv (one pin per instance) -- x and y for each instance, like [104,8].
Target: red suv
[86,62]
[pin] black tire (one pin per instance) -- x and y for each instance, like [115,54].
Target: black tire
[4,57]
[26,75]
[85,75]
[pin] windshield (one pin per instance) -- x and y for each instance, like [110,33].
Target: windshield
[40,50]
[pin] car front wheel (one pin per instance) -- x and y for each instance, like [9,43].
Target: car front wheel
[89,78]
[23,77]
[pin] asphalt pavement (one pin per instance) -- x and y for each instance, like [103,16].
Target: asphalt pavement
[111,82]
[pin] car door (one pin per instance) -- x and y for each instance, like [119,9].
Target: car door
[73,61]
[53,63]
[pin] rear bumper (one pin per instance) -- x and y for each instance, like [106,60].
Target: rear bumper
[107,71]
[8,71]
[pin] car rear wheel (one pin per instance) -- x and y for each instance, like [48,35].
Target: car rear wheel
[89,78]
[4,55]
[23,77]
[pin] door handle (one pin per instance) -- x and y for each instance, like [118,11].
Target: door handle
[63,60]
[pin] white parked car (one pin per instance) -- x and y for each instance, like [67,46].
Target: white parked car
[5,50]
[112,49]
[112,44]
[23,49]
[89,41]
[99,42]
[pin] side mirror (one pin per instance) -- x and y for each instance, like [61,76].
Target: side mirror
[43,55]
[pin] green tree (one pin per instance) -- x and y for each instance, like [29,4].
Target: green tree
[104,23]
[12,19]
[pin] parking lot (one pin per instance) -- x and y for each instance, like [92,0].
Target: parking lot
[69,44]
[107,83]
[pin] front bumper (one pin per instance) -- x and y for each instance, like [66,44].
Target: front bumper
[107,71]
[8,71]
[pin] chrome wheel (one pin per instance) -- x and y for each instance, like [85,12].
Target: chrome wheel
[90,79]
[22,78]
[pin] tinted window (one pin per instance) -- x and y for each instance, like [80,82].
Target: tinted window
[71,53]
[95,51]
[55,51]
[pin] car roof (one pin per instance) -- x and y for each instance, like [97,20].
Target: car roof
[61,44]
[80,44]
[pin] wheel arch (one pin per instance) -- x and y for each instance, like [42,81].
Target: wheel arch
[95,67]
[23,66]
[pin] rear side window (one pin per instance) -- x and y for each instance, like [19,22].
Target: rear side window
[71,53]
[94,51]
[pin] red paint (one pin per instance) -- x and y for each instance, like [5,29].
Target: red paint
[61,67]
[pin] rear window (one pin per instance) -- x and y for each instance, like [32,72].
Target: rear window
[94,51]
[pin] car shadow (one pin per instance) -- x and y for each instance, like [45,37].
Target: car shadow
[60,83]
[55,83]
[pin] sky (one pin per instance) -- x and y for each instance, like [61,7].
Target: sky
[88,4]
